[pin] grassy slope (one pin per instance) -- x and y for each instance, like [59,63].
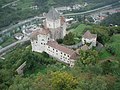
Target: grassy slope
[79,30]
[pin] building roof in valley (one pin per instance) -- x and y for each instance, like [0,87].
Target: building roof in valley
[53,14]
[42,31]
[62,20]
[88,35]
[61,48]
[18,34]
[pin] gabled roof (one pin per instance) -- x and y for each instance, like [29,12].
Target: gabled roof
[61,48]
[88,35]
[42,31]
[53,14]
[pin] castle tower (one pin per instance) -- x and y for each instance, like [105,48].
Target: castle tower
[53,22]
[53,19]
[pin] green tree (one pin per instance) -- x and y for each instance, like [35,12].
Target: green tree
[21,83]
[69,39]
[63,81]
[88,57]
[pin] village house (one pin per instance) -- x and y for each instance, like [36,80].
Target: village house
[18,36]
[89,38]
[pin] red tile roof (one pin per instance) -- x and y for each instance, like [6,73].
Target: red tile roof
[42,31]
[88,35]
[61,48]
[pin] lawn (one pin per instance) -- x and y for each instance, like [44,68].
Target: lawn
[79,30]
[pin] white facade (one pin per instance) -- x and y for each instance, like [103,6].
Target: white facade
[38,45]
[58,54]
[89,38]
[92,41]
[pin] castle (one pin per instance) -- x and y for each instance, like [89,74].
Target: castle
[44,38]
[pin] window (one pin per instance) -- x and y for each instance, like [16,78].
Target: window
[61,52]
[56,50]
[53,49]
[42,39]
[48,47]
[41,43]
[68,56]
[65,54]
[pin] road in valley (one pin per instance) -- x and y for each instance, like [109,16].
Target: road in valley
[70,14]
[13,44]
[19,24]
[90,11]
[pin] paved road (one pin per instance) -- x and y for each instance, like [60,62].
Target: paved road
[9,4]
[20,23]
[90,11]
[12,45]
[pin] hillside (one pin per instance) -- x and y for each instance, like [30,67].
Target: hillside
[23,9]
[112,19]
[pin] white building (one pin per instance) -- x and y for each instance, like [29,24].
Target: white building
[43,39]
[39,39]
[18,36]
[60,52]
[89,38]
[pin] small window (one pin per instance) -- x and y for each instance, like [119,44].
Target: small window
[65,54]
[61,52]
[53,49]
[68,56]
[48,47]
[56,50]
[41,43]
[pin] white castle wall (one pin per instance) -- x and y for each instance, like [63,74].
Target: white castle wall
[58,54]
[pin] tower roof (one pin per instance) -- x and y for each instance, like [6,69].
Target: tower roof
[53,14]
[41,31]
